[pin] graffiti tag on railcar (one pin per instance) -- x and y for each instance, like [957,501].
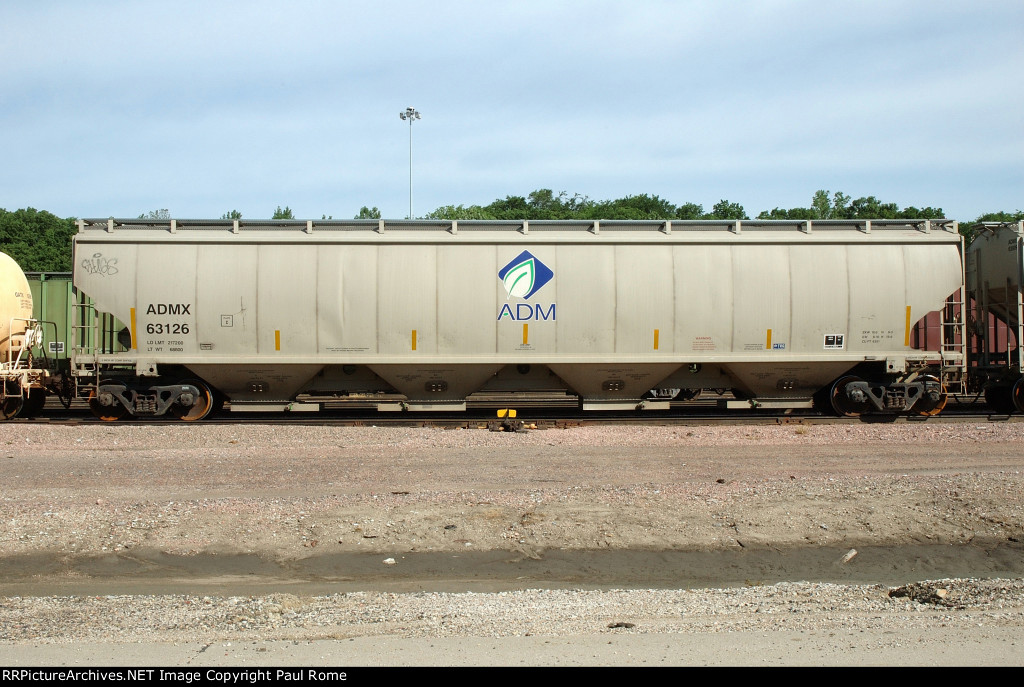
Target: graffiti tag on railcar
[97,264]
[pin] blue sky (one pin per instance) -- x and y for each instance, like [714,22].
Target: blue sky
[119,108]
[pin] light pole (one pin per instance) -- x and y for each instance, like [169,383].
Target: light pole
[410,114]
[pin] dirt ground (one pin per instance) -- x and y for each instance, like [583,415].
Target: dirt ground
[292,492]
[259,509]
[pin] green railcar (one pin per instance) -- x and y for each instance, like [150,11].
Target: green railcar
[54,302]
[51,304]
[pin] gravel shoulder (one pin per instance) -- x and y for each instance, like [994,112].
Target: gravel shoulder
[315,500]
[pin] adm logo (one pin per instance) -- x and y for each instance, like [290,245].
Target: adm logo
[524,276]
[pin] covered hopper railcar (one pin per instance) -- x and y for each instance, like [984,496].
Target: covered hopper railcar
[995,278]
[420,314]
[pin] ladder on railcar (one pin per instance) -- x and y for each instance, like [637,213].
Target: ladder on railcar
[93,334]
[944,344]
[953,344]
[84,334]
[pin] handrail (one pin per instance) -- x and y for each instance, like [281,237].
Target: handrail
[463,226]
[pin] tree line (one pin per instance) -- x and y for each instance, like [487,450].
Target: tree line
[41,242]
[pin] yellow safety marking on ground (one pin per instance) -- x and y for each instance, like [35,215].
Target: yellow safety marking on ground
[414,339]
[906,336]
[768,341]
[526,334]
[277,339]
[656,332]
[134,345]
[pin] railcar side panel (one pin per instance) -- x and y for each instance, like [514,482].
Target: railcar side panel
[407,300]
[286,313]
[821,298]
[585,300]
[704,296]
[462,310]
[645,304]
[165,301]
[927,270]
[762,300]
[227,316]
[347,298]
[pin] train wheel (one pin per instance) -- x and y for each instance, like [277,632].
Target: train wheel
[11,404]
[1017,395]
[199,410]
[34,403]
[106,413]
[999,399]
[841,403]
[929,408]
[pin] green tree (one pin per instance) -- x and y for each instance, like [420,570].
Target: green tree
[723,209]
[368,213]
[792,213]
[1001,217]
[283,214]
[37,240]
[690,211]
[543,202]
[911,212]
[234,214]
[450,212]
[826,208]
[576,205]
[641,206]
[870,207]
[840,204]
[156,214]
[512,207]
[540,204]
[822,207]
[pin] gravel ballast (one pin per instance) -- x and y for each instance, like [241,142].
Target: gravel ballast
[78,498]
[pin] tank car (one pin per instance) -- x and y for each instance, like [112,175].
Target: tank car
[994,276]
[23,389]
[419,315]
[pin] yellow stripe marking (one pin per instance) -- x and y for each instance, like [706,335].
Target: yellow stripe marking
[906,336]
[768,341]
[526,334]
[656,332]
[414,339]
[135,346]
[277,339]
